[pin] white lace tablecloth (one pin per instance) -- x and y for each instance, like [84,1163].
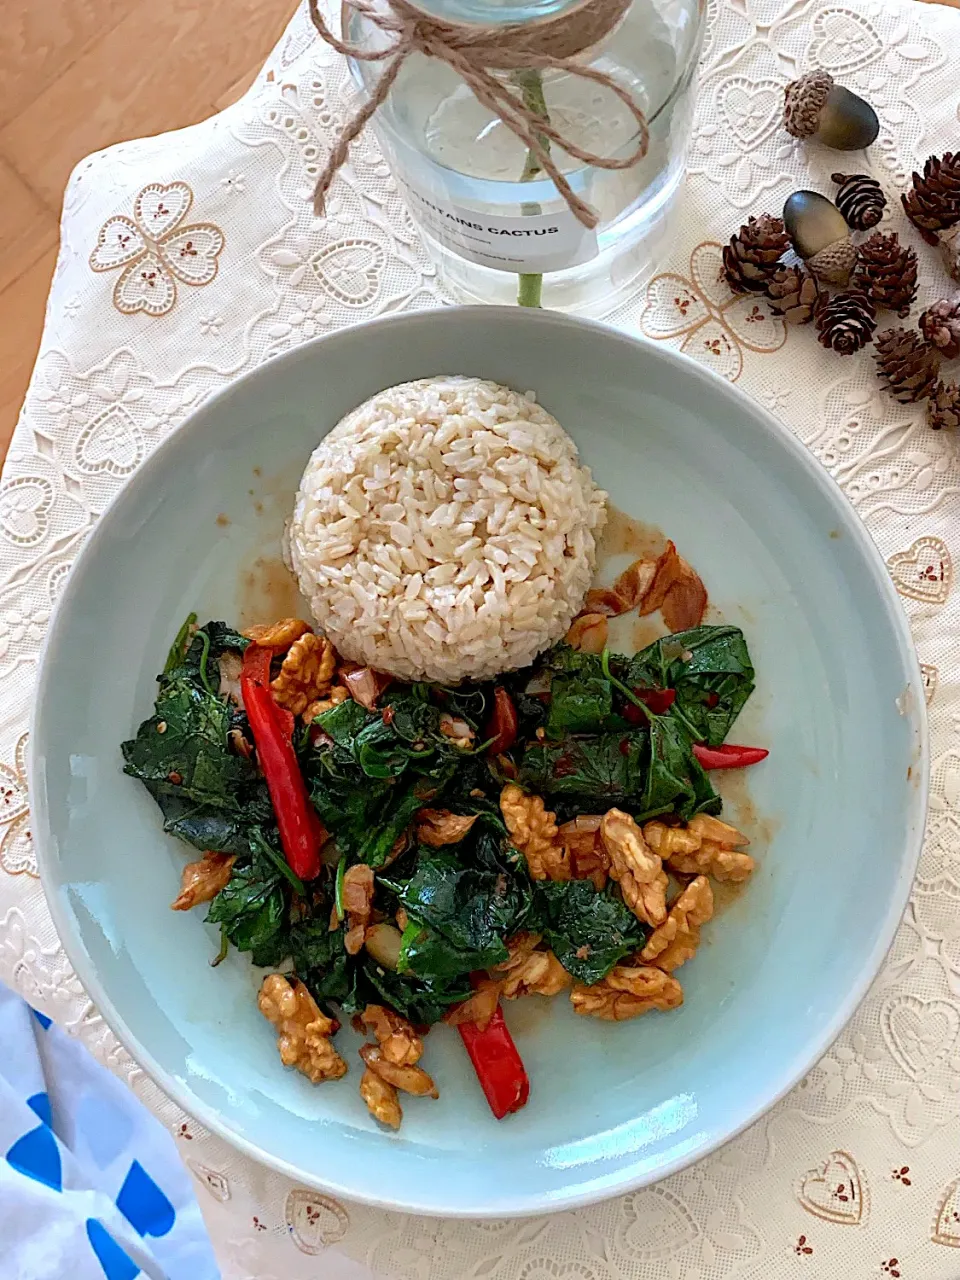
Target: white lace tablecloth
[857,1173]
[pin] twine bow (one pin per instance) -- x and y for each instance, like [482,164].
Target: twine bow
[473,51]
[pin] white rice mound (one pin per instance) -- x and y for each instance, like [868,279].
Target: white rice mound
[446,531]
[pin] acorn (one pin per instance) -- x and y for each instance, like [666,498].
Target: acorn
[820,236]
[815,107]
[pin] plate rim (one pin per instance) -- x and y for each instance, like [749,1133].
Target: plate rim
[917,807]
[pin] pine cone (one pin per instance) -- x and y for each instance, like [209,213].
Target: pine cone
[860,200]
[943,407]
[940,325]
[751,258]
[803,101]
[950,250]
[933,202]
[793,293]
[907,366]
[887,271]
[845,322]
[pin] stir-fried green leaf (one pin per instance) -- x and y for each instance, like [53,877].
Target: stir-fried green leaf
[601,770]
[588,931]
[675,781]
[581,696]
[252,909]
[182,749]
[711,671]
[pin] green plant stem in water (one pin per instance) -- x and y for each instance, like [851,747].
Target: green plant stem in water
[530,286]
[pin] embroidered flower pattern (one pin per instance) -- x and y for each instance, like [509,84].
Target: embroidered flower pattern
[155,250]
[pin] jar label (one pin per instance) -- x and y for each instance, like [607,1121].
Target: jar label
[531,244]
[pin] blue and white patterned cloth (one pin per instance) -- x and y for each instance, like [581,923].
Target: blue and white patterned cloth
[91,1186]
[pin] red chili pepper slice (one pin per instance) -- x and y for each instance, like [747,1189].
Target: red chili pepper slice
[728,756]
[301,833]
[256,664]
[497,1063]
[256,668]
[502,725]
[658,700]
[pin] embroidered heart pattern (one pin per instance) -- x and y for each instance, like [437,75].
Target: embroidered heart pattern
[315,1222]
[216,1183]
[111,442]
[191,253]
[24,509]
[145,285]
[842,41]
[924,572]
[118,243]
[671,307]
[946,1225]
[350,270]
[919,1033]
[656,1223]
[751,108]
[930,676]
[158,208]
[835,1190]
[752,321]
[937,909]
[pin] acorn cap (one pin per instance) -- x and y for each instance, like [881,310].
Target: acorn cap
[834,263]
[803,101]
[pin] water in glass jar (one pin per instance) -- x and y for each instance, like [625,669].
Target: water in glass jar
[467,177]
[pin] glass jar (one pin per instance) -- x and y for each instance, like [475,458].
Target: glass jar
[467,177]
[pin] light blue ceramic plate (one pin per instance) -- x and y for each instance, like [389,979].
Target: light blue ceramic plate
[838,808]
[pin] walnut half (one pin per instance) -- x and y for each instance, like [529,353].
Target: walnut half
[675,941]
[358,886]
[397,1039]
[303,1031]
[437,827]
[306,673]
[278,635]
[413,1080]
[533,830]
[382,1099]
[626,992]
[706,846]
[635,867]
[201,881]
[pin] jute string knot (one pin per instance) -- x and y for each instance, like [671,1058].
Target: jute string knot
[474,51]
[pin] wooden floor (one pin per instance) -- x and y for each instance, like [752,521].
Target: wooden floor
[76,75]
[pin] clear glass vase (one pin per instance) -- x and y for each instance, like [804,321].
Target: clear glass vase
[489,224]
